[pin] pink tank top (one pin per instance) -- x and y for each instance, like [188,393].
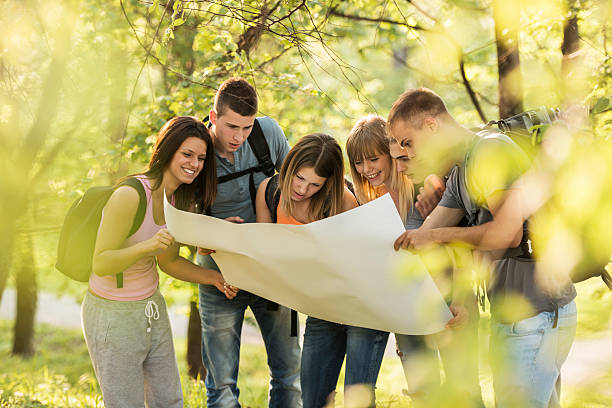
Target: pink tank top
[141,279]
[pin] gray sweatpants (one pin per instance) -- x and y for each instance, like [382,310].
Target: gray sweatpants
[131,348]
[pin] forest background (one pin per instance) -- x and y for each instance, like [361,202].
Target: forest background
[86,84]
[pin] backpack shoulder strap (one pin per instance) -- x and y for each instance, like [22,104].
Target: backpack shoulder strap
[142,202]
[260,148]
[140,213]
[349,184]
[272,197]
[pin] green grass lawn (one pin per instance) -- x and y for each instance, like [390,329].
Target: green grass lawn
[60,373]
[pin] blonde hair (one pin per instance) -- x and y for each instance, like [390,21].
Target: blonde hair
[322,153]
[369,138]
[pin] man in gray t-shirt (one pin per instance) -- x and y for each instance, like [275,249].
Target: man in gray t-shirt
[232,121]
[533,312]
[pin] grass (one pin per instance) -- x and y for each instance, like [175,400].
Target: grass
[60,373]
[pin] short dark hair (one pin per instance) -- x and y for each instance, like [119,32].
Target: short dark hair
[414,104]
[238,95]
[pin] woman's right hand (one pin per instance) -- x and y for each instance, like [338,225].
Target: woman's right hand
[206,251]
[228,290]
[159,242]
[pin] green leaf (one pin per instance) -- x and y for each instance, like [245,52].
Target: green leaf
[153,7]
[601,104]
[179,21]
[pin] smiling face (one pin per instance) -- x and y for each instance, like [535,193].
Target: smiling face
[376,169]
[230,130]
[306,183]
[187,161]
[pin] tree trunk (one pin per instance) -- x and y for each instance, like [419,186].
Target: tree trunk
[6,253]
[507,25]
[194,332]
[27,297]
[194,344]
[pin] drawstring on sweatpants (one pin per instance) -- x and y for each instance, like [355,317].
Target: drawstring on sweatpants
[151,311]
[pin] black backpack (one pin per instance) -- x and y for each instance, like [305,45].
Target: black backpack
[260,148]
[80,229]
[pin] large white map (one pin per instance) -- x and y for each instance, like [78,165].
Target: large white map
[341,269]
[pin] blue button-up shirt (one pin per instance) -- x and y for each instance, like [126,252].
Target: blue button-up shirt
[233,197]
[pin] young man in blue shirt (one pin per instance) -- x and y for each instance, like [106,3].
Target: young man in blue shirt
[232,122]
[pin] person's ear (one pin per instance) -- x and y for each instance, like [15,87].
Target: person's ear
[431,123]
[212,116]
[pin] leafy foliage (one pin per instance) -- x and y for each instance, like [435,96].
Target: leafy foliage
[317,65]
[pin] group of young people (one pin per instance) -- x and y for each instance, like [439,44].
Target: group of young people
[210,169]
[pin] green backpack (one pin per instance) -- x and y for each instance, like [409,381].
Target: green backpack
[77,239]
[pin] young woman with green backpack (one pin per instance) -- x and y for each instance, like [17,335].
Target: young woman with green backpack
[126,328]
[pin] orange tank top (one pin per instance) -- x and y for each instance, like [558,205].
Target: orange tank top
[282,218]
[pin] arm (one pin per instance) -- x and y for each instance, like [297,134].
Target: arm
[439,217]
[174,265]
[505,230]
[109,258]
[429,195]
[262,211]
[495,172]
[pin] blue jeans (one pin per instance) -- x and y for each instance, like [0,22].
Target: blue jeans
[221,329]
[527,357]
[325,345]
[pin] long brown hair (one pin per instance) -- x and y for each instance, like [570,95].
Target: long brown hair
[201,192]
[323,153]
[369,138]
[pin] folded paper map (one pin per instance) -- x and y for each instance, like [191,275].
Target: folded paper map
[341,269]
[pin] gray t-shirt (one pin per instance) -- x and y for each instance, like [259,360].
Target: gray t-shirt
[233,197]
[513,277]
[414,219]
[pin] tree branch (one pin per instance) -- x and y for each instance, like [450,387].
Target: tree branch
[337,13]
[470,91]
[274,58]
